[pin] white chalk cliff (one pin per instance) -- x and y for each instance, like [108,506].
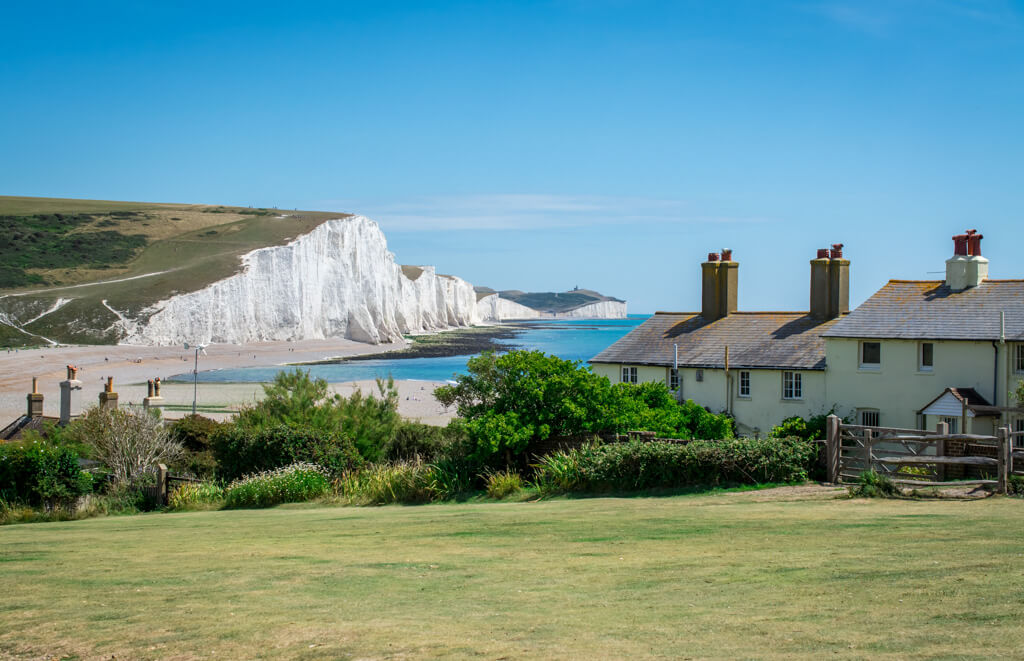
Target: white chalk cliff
[339,280]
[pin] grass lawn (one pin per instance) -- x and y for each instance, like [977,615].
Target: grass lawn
[714,576]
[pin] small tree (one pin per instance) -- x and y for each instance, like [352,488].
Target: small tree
[128,441]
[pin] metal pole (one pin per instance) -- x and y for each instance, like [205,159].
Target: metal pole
[195,382]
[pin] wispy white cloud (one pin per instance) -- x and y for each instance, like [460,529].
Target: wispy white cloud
[524,211]
[879,17]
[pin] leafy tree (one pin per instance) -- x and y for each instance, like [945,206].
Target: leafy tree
[1019,393]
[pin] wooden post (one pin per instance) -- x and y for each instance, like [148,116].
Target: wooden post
[832,448]
[868,440]
[161,484]
[940,450]
[1004,445]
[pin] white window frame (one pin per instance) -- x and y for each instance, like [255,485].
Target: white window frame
[628,374]
[1018,426]
[792,385]
[867,416]
[673,379]
[921,367]
[860,356]
[1018,362]
[953,422]
[743,384]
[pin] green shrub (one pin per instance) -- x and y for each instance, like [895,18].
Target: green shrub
[242,451]
[452,476]
[1015,485]
[195,495]
[639,465]
[194,433]
[381,484]
[510,401]
[291,484]
[296,400]
[503,484]
[416,441]
[39,473]
[870,484]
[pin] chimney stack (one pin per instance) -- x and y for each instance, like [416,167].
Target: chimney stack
[35,400]
[153,397]
[830,283]
[719,284]
[966,268]
[70,394]
[108,398]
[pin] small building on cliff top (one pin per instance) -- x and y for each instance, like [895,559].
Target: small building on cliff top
[907,357]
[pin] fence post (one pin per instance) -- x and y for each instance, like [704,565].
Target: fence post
[832,448]
[869,437]
[942,429]
[1004,457]
[161,484]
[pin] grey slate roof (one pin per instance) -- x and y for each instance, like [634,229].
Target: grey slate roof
[758,340]
[929,310]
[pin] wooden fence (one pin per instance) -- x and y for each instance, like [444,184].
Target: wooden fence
[914,457]
[160,492]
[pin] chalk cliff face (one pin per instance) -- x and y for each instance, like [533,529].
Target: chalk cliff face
[337,281]
[495,308]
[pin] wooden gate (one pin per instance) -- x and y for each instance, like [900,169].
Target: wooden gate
[914,457]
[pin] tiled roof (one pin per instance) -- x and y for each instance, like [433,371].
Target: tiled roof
[22,424]
[929,310]
[781,340]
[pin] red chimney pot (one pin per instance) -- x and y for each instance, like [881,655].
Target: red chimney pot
[960,244]
[974,243]
[713,257]
[822,253]
[726,254]
[837,251]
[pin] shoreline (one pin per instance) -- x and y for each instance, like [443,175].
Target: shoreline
[132,366]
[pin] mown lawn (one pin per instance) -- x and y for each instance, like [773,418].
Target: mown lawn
[722,576]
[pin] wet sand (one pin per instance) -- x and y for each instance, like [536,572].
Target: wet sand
[132,366]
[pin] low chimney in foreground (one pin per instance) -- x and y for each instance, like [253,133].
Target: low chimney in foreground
[719,284]
[70,395]
[966,268]
[35,400]
[108,398]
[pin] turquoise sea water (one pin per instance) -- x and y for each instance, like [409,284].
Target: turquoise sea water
[569,339]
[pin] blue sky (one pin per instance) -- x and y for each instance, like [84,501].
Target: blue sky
[542,145]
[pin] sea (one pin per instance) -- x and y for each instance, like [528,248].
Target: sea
[570,339]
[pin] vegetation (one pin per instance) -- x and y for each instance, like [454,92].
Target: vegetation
[40,473]
[129,442]
[1019,393]
[196,495]
[742,575]
[292,484]
[638,465]
[512,401]
[502,484]
[194,434]
[240,451]
[49,241]
[810,429]
[381,484]
[870,484]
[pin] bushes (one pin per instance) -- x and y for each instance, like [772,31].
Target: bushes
[194,433]
[240,451]
[638,465]
[129,442]
[292,484]
[509,402]
[40,473]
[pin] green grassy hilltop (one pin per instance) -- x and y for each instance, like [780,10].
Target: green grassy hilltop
[130,254]
[731,576]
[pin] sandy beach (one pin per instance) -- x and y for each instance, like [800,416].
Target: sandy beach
[132,366]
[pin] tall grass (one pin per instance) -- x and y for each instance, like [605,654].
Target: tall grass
[503,484]
[292,484]
[196,495]
[381,484]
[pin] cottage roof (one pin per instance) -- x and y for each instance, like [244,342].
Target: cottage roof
[16,429]
[952,401]
[758,340]
[930,310]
